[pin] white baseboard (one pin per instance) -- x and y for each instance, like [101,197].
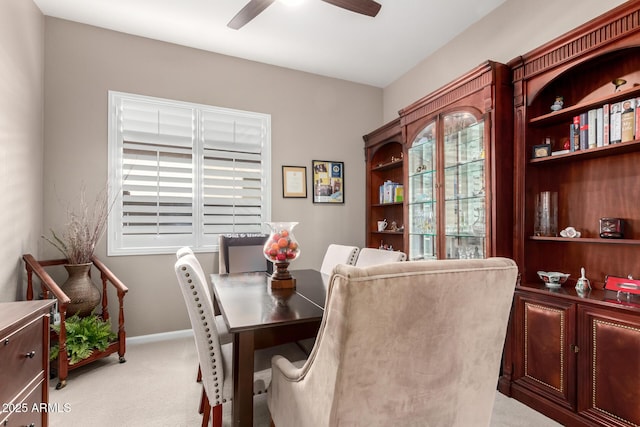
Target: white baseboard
[162,336]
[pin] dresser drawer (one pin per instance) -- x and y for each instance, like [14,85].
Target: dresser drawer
[29,412]
[21,353]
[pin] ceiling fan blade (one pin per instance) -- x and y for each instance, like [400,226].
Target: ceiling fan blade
[363,7]
[247,13]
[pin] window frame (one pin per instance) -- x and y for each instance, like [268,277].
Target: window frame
[164,243]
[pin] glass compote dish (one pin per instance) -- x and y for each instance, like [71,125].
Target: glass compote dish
[281,248]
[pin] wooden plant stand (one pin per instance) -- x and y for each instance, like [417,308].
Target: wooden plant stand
[49,285]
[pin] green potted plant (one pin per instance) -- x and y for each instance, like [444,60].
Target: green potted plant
[84,335]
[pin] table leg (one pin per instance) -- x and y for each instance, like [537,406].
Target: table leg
[242,405]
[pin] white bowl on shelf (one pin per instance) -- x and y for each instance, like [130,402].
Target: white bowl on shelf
[553,279]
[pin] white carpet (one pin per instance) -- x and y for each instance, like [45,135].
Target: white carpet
[156,386]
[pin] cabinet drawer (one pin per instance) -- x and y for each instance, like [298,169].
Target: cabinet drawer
[21,353]
[23,414]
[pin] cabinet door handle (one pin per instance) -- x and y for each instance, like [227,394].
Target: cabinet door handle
[575,348]
[30,355]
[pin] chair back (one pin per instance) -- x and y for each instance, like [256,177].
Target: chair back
[242,253]
[338,254]
[407,343]
[200,308]
[371,256]
[186,250]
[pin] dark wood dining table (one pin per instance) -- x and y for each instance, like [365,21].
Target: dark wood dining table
[260,317]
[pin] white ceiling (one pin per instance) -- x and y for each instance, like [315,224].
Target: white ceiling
[314,36]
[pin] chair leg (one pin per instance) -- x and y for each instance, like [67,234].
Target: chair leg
[199,377]
[215,412]
[203,398]
[271,423]
[206,412]
[217,416]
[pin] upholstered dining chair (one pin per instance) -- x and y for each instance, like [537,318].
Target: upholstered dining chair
[338,254]
[413,343]
[371,256]
[242,253]
[223,331]
[215,358]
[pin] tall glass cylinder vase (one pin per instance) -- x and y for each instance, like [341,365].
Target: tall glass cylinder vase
[546,215]
[281,248]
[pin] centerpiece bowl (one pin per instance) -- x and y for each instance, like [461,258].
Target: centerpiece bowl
[553,279]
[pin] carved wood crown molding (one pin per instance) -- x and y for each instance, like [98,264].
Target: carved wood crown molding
[447,96]
[619,23]
[385,132]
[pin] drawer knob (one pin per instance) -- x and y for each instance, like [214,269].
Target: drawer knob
[6,341]
[30,355]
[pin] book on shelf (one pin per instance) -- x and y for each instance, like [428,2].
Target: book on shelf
[391,192]
[558,152]
[599,127]
[615,123]
[574,134]
[627,121]
[584,130]
[637,118]
[605,124]
[592,128]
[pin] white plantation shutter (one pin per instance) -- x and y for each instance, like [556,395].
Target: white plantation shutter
[232,173]
[185,174]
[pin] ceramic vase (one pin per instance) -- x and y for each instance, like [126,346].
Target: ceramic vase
[83,293]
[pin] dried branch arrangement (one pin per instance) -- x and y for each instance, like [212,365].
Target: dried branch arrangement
[83,229]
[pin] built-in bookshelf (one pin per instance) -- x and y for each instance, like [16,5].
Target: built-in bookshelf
[384,152]
[566,349]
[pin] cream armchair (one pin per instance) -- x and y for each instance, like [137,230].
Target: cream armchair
[406,343]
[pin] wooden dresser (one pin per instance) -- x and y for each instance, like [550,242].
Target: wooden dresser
[24,363]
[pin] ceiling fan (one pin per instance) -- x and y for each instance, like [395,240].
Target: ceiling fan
[255,7]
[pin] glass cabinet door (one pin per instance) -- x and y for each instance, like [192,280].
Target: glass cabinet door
[464,182]
[422,195]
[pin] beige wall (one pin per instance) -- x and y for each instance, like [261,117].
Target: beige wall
[512,29]
[21,96]
[312,117]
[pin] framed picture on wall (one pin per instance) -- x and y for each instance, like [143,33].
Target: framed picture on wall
[328,181]
[294,181]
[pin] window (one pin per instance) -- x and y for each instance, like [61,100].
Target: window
[181,174]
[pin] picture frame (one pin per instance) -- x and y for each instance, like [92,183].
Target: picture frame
[541,150]
[328,181]
[294,182]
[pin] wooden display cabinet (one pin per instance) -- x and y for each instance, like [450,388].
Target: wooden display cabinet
[384,152]
[575,357]
[566,353]
[459,168]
